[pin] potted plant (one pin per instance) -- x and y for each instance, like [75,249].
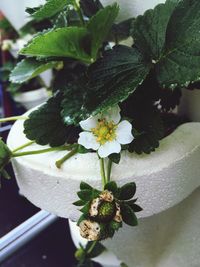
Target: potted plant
[28,94]
[29,91]
[110,109]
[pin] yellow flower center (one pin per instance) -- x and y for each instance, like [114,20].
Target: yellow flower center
[104,131]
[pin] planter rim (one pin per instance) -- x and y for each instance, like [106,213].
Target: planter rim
[141,164]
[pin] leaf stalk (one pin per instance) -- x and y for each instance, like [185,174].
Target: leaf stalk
[66,157]
[41,151]
[15,118]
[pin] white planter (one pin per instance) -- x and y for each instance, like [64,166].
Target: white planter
[14,10]
[33,98]
[132,8]
[167,234]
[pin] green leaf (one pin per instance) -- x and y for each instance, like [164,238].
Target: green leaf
[114,77]
[29,68]
[115,157]
[83,150]
[110,232]
[151,130]
[49,9]
[95,193]
[45,124]
[100,25]
[70,42]
[97,250]
[128,215]
[115,225]
[84,185]
[86,208]
[79,203]
[111,186]
[148,127]
[5,71]
[131,202]
[168,36]
[135,207]
[127,191]
[180,62]
[32,10]
[5,155]
[111,80]
[85,195]
[73,109]
[149,30]
[71,72]
[123,265]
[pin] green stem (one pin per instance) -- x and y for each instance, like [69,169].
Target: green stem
[92,247]
[78,10]
[23,146]
[13,118]
[109,168]
[41,151]
[102,169]
[66,157]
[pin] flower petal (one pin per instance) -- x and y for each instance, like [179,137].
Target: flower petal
[124,133]
[109,148]
[90,123]
[88,140]
[113,114]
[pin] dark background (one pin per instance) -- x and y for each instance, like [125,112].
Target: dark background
[51,248]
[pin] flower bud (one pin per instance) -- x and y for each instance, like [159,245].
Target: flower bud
[106,211]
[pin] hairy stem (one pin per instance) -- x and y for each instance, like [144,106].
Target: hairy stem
[79,11]
[109,168]
[13,118]
[66,157]
[41,151]
[92,247]
[103,175]
[23,146]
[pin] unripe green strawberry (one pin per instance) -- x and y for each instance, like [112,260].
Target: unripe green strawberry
[106,211]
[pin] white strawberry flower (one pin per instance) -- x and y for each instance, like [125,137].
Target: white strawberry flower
[105,132]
